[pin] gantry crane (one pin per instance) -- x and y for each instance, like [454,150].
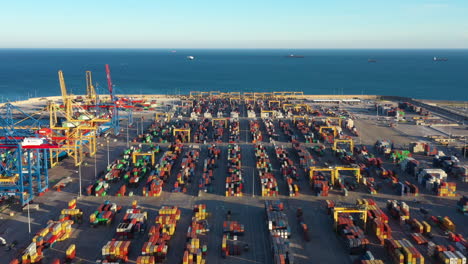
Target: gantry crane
[346,141]
[184,132]
[335,173]
[333,128]
[225,121]
[91,94]
[362,211]
[23,155]
[143,154]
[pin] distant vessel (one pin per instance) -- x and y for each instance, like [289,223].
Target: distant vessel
[371,60]
[173,51]
[190,57]
[440,59]
[294,56]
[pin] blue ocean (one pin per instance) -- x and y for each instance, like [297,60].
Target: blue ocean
[413,73]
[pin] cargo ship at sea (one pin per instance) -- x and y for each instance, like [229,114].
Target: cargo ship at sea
[295,56]
[440,59]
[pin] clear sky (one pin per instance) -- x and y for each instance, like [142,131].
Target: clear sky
[234,24]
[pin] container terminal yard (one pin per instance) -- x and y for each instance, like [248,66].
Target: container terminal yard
[213,177]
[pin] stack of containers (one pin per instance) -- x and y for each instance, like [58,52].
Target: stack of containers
[201,134]
[419,227]
[355,240]
[431,178]
[368,258]
[265,171]
[452,257]
[161,233]
[399,210]
[369,182]
[403,252]
[444,223]
[194,252]
[218,132]
[306,132]
[407,189]
[446,254]
[234,180]
[208,168]
[187,171]
[116,250]
[115,171]
[278,224]
[76,215]
[234,131]
[53,232]
[181,136]
[32,254]
[104,214]
[134,221]
[377,220]
[255,130]
[305,158]
[288,171]
[164,168]
[233,228]
[70,253]
[419,239]
[279,232]
[146,260]
[270,128]
[447,189]
[154,186]
[286,130]
[319,184]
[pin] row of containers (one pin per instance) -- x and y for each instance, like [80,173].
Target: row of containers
[305,130]
[255,131]
[234,179]
[234,131]
[195,250]
[279,232]
[268,182]
[287,131]
[156,247]
[200,135]
[400,251]
[209,165]
[133,222]
[230,243]
[288,170]
[159,132]
[270,129]
[124,171]
[54,232]
[187,171]
[218,131]
[305,158]
[162,171]
[352,234]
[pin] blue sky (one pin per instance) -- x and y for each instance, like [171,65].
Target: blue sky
[234,24]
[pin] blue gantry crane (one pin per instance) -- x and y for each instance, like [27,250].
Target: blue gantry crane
[23,155]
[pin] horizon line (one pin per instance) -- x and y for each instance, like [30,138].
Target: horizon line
[91,48]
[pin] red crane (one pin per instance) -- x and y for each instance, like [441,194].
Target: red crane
[109,83]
